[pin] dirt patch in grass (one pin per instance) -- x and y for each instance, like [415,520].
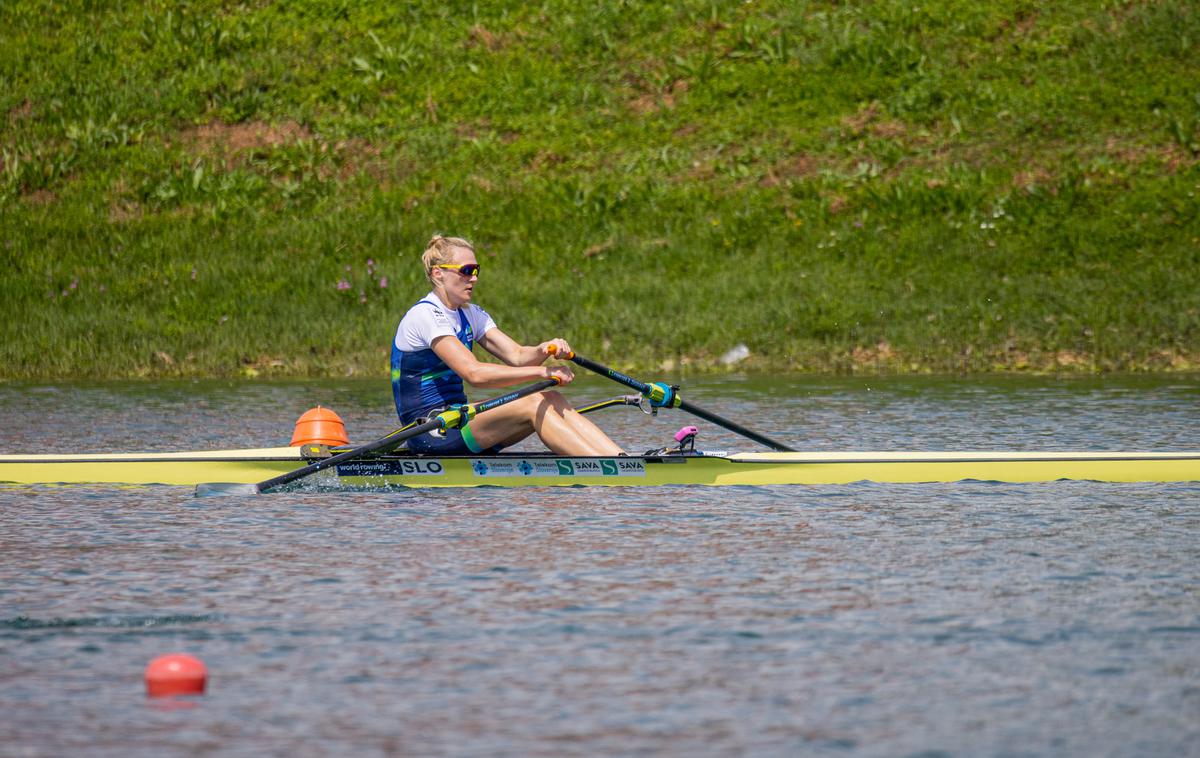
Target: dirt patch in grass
[469,130]
[889,129]
[478,36]
[798,166]
[41,197]
[237,145]
[218,137]
[21,112]
[650,98]
[651,102]
[545,159]
[1033,178]
[122,211]
[601,247]
[1176,160]
[858,123]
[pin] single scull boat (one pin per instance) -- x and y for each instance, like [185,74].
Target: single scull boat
[383,462]
[533,469]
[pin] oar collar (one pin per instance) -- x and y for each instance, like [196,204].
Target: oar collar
[662,395]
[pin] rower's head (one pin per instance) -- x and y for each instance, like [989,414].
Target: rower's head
[451,268]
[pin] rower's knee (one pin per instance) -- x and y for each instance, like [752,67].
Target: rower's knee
[537,406]
[531,404]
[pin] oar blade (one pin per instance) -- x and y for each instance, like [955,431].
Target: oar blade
[217,489]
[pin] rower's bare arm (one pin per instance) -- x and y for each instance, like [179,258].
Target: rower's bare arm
[490,375]
[511,352]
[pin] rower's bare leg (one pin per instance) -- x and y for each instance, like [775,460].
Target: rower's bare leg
[549,416]
[517,420]
[584,433]
[594,435]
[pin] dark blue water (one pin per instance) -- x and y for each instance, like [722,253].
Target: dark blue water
[955,619]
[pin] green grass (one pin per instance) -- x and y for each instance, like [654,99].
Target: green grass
[878,186]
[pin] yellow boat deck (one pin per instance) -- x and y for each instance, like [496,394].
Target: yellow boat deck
[254,465]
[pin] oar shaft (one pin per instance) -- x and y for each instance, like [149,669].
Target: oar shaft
[616,376]
[679,402]
[733,426]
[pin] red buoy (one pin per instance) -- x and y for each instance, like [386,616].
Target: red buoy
[176,674]
[320,426]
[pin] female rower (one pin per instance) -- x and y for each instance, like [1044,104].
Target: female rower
[431,357]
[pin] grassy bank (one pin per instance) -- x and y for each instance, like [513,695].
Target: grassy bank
[218,188]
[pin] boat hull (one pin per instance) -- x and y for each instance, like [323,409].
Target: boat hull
[191,468]
[250,466]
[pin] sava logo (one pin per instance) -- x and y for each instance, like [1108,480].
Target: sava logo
[392,468]
[601,467]
[594,468]
[632,468]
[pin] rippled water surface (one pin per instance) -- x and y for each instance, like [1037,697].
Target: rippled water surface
[956,619]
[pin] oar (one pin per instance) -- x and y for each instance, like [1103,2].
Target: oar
[665,396]
[450,418]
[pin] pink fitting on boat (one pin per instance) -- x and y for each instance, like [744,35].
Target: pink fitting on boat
[685,432]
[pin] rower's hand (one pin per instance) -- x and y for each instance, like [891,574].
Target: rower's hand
[563,374]
[556,347]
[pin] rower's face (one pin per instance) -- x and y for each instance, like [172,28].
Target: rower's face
[457,286]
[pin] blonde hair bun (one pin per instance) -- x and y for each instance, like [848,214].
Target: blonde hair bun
[440,250]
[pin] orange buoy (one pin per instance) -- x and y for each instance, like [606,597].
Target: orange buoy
[320,426]
[176,674]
